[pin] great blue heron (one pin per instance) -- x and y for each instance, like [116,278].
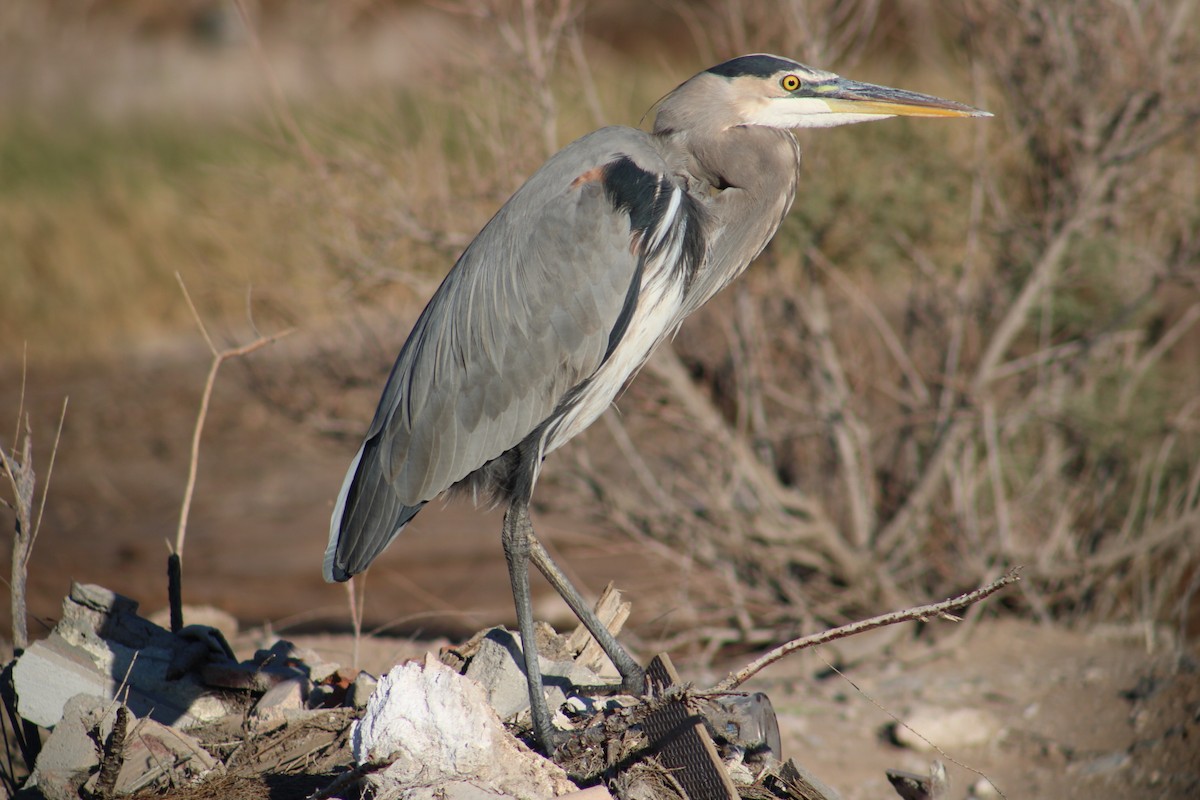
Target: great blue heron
[565,292]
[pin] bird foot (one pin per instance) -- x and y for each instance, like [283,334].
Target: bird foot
[554,739]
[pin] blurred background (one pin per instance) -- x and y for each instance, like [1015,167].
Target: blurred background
[972,345]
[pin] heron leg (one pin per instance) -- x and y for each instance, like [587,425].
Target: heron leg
[633,677]
[516,537]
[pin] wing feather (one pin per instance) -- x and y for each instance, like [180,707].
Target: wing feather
[529,314]
[524,316]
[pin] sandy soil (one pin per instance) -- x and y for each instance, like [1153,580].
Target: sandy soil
[1053,713]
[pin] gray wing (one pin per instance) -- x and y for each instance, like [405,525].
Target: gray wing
[527,313]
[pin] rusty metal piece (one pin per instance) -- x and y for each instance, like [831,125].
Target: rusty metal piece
[678,735]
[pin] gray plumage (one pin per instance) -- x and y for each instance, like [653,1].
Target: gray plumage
[600,255]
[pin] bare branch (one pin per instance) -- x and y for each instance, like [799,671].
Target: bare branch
[37,525]
[219,358]
[22,480]
[942,609]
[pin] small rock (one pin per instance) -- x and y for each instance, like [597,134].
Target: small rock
[283,699]
[933,785]
[946,728]
[361,690]
[983,789]
[496,666]
[319,670]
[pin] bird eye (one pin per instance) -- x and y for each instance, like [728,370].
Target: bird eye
[790,83]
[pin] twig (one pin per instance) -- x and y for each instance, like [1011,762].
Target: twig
[346,780]
[37,525]
[887,335]
[219,357]
[112,756]
[846,428]
[942,609]
[1155,354]
[21,478]
[282,112]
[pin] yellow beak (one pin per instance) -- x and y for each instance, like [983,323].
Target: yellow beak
[853,97]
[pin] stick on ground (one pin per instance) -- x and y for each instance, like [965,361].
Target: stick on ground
[942,609]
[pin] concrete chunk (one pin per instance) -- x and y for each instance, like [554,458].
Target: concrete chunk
[440,738]
[154,755]
[100,647]
[283,700]
[499,667]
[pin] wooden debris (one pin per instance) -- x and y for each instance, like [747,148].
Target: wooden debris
[613,612]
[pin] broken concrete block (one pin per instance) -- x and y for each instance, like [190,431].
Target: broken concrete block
[499,667]
[439,737]
[101,646]
[154,755]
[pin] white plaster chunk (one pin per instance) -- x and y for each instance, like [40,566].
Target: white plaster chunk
[442,738]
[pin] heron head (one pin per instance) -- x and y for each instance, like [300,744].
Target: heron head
[774,92]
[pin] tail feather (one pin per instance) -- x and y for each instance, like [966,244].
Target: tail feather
[366,517]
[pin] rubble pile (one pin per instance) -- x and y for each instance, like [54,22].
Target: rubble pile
[130,707]
[193,711]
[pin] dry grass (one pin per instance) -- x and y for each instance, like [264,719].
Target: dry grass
[970,347]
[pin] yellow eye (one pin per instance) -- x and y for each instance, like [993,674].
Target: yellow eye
[790,83]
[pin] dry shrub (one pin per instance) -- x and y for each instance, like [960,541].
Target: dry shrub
[855,426]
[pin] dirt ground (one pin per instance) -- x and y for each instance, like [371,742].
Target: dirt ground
[1045,712]
[1041,713]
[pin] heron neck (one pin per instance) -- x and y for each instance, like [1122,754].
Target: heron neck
[746,178]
